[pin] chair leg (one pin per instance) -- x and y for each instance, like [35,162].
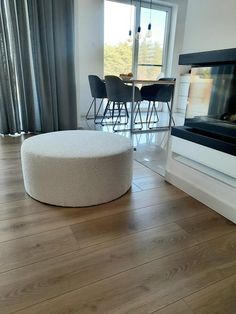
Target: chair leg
[119,112]
[113,110]
[150,117]
[126,110]
[171,117]
[148,111]
[153,112]
[95,108]
[156,112]
[100,105]
[121,106]
[127,113]
[90,107]
[105,112]
[118,116]
[110,109]
[136,113]
[140,115]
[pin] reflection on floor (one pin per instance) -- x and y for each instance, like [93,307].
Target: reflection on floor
[151,148]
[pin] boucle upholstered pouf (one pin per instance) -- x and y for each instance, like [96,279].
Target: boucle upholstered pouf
[76,168]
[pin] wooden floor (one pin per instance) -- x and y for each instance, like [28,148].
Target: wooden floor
[155,250]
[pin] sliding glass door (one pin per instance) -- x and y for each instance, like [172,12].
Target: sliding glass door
[151,57]
[145,57]
[118,52]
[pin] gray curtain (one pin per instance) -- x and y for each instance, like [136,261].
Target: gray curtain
[37,77]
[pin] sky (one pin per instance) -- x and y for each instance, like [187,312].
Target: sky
[119,17]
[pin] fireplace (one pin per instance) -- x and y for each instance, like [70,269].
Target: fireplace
[211,112]
[202,153]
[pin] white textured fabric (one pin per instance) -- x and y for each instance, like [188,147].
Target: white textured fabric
[76,168]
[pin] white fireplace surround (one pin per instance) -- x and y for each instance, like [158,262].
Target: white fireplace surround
[204,173]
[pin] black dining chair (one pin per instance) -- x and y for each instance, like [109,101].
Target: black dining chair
[98,91]
[158,93]
[119,94]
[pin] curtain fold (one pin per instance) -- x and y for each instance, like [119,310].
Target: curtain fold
[37,86]
[9,114]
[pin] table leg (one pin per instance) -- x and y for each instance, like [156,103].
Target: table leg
[132,109]
[171,107]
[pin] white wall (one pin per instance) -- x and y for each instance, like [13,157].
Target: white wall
[210,25]
[179,10]
[89,16]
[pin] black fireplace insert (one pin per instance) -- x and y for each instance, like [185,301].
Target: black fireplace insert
[211,111]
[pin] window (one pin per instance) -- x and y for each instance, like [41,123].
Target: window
[118,53]
[146,57]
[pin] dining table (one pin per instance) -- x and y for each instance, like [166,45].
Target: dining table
[136,82]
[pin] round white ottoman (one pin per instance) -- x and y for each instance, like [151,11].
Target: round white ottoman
[76,168]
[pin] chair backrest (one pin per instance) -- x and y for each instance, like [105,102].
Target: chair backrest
[116,89]
[97,87]
[171,79]
[165,92]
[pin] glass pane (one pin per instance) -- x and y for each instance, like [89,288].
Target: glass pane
[118,52]
[212,93]
[148,72]
[151,49]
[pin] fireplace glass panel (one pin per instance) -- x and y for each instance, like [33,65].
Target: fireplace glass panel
[212,96]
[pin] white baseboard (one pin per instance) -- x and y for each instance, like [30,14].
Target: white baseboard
[219,203]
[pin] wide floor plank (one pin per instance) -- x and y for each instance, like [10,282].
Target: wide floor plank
[218,298]
[35,248]
[124,223]
[52,277]
[61,217]
[146,288]
[178,307]
[29,249]
[207,227]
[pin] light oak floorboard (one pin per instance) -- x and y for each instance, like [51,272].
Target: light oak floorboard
[20,208]
[37,282]
[206,227]
[29,249]
[59,217]
[109,227]
[176,308]
[35,248]
[219,298]
[143,289]
[150,182]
